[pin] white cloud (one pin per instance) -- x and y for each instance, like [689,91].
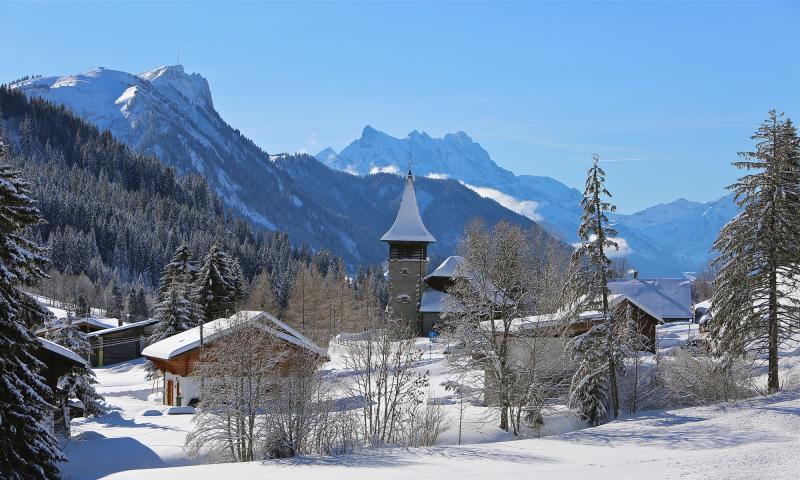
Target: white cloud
[622,250]
[438,176]
[523,207]
[387,169]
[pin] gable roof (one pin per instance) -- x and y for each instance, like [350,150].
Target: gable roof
[126,326]
[190,339]
[62,351]
[664,297]
[448,268]
[408,226]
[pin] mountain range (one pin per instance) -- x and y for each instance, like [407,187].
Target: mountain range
[170,114]
[344,200]
[668,239]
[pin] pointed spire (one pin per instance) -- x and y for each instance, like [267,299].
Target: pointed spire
[408,226]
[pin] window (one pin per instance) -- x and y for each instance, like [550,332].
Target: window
[404,298]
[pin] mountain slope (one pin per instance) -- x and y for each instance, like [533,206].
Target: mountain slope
[687,229]
[170,114]
[665,240]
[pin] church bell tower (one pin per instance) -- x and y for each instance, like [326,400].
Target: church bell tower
[408,241]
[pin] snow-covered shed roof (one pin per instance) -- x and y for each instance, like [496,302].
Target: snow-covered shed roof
[408,226]
[667,298]
[448,268]
[190,339]
[62,351]
[125,326]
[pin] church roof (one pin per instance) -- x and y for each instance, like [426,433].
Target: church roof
[408,226]
[448,268]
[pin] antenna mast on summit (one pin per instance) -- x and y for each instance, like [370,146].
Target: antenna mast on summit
[409,157]
[179,56]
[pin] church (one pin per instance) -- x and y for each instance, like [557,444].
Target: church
[415,296]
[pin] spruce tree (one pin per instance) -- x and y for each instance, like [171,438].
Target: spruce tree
[217,289]
[28,449]
[177,309]
[115,309]
[759,255]
[586,290]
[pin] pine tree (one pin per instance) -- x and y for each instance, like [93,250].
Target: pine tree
[587,291]
[27,449]
[79,381]
[759,260]
[177,309]
[116,307]
[141,305]
[133,306]
[180,272]
[217,289]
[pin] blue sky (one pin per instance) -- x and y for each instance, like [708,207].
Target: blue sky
[665,92]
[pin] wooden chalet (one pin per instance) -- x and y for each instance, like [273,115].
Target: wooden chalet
[119,344]
[176,357]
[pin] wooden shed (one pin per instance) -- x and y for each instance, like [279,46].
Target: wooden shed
[119,344]
[57,362]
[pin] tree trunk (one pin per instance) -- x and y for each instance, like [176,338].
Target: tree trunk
[504,417]
[612,377]
[773,385]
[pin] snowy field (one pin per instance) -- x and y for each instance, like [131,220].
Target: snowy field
[750,439]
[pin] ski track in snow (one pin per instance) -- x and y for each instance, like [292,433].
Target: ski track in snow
[751,439]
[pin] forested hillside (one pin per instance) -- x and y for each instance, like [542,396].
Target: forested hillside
[108,210]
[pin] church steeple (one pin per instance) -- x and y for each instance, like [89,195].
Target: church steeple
[408,226]
[408,240]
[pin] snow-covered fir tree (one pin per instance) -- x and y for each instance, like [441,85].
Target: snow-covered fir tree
[79,382]
[177,309]
[28,449]
[116,306]
[759,260]
[586,290]
[219,285]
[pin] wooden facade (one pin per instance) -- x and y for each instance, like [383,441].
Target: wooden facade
[115,345]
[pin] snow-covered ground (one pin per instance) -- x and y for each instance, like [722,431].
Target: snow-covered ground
[750,439]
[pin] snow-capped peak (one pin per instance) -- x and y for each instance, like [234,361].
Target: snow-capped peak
[193,87]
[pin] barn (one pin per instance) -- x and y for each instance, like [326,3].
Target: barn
[175,357]
[119,344]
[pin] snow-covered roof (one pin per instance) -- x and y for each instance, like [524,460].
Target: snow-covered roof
[433,301]
[126,326]
[408,226]
[190,339]
[63,351]
[448,268]
[662,297]
[533,322]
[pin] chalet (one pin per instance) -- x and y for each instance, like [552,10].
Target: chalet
[176,357]
[57,361]
[119,344]
[670,298]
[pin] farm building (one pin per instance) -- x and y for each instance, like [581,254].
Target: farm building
[119,344]
[177,356]
[57,361]
[540,340]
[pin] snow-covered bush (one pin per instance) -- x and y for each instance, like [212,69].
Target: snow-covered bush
[689,379]
[426,422]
